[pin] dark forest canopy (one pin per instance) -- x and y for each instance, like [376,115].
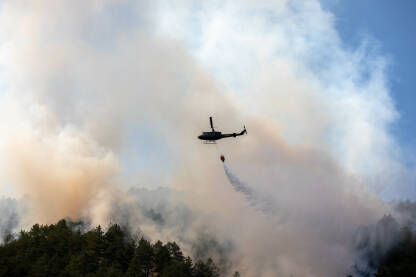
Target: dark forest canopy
[401,259]
[398,261]
[63,250]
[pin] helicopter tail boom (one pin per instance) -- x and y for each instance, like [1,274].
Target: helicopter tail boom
[235,134]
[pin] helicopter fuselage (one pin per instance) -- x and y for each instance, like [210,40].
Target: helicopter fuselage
[215,135]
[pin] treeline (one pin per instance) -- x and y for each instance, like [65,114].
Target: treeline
[401,259]
[398,261]
[63,250]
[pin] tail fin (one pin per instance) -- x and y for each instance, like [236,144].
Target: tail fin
[243,132]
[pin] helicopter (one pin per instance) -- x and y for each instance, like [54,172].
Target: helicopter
[211,137]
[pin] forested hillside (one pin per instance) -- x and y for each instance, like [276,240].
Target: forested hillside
[63,250]
[401,259]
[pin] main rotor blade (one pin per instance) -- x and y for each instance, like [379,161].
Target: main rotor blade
[210,121]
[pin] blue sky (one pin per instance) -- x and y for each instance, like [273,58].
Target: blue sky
[392,24]
[267,59]
[98,96]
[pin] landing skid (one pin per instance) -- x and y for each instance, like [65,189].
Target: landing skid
[210,142]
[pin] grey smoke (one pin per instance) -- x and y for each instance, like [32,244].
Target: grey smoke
[162,210]
[162,214]
[373,243]
[406,213]
[75,92]
[9,217]
[151,213]
[208,246]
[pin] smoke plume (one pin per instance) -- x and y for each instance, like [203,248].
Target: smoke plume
[101,103]
[9,219]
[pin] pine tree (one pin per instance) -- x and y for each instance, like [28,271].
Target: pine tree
[162,256]
[64,251]
[143,260]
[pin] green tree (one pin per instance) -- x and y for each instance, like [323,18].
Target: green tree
[207,269]
[143,260]
[175,252]
[162,257]
[401,260]
[62,250]
[118,250]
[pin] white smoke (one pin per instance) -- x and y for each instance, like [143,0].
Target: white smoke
[284,60]
[93,92]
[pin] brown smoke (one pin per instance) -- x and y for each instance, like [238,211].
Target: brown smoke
[82,86]
[60,173]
